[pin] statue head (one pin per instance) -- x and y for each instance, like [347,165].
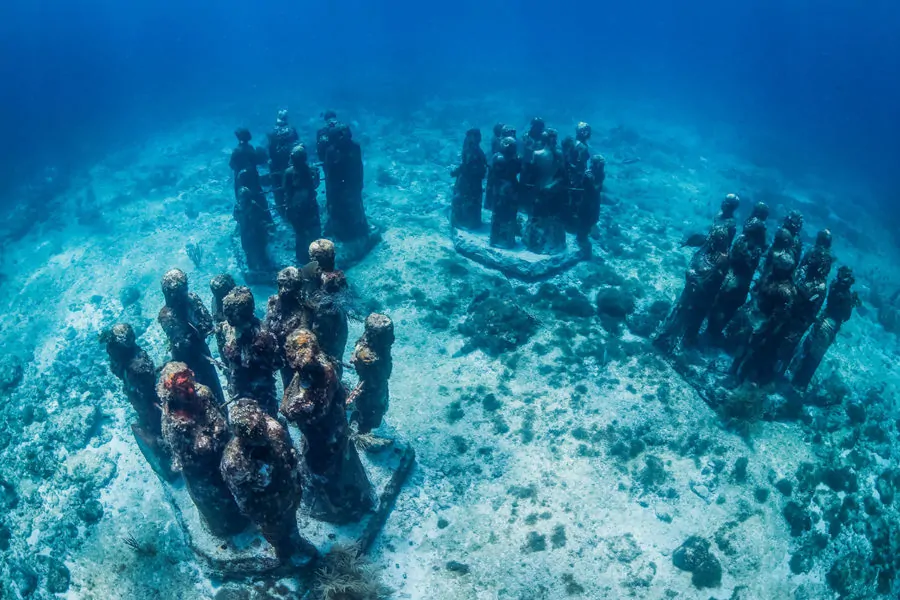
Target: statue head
[379,330]
[239,307]
[793,222]
[473,136]
[243,135]
[760,211]
[823,239]
[289,281]
[175,286]
[299,155]
[220,285]
[498,129]
[177,387]
[248,421]
[582,132]
[120,339]
[536,128]
[322,251]
[281,119]
[730,205]
[301,349]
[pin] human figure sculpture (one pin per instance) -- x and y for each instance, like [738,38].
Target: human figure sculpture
[496,139]
[533,140]
[545,231]
[195,432]
[301,206]
[133,366]
[504,223]
[469,187]
[838,310]
[703,279]
[333,280]
[587,215]
[324,288]
[758,361]
[244,157]
[187,323]
[262,470]
[780,265]
[343,166]
[725,217]
[372,361]
[220,285]
[282,139]
[811,279]
[287,311]
[793,223]
[254,221]
[324,134]
[579,167]
[315,402]
[251,352]
[743,260]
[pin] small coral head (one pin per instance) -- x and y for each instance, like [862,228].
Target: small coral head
[180,382]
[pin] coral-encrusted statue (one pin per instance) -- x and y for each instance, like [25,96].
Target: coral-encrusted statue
[286,312]
[187,323]
[838,309]
[372,361]
[254,221]
[282,140]
[505,194]
[195,432]
[220,285]
[329,319]
[262,470]
[743,260]
[465,209]
[577,157]
[726,217]
[533,140]
[343,166]
[315,402]
[545,232]
[793,223]
[130,363]
[703,279]
[244,157]
[251,353]
[301,207]
[490,189]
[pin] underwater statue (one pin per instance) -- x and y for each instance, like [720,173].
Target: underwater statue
[468,189]
[262,470]
[345,214]
[324,287]
[758,361]
[743,260]
[323,135]
[195,432]
[254,221]
[780,264]
[373,363]
[332,280]
[504,222]
[533,140]
[315,402]
[496,139]
[793,223]
[838,310]
[301,207]
[282,140]
[545,232]
[244,157]
[811,279]
[579,167]
[287,311]
[251,352]
[187,323]
[587,215]
[220,285]
[725,217]
[703,279]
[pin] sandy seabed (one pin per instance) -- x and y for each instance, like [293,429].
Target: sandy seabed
[572,462]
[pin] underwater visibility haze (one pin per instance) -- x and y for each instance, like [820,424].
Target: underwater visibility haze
[514,300]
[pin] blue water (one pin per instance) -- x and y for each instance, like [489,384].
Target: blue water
[821,77]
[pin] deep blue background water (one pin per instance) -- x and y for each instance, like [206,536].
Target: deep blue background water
[824,75]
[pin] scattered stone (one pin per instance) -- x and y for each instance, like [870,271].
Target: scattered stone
[535,542]
[573,588]
[739,472]
[694,556]
[785,487]
[57,578]
[90,512]
[495,324]
[458,567]
[798,519]
[12,369]
[841,480]
[558,537]
[129,295]
[761,494]
[443,523]
[9,499]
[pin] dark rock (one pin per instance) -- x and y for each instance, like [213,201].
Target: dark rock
[848,573]
[798,519]
[785,487]
[55,574]
[841,480]
[90,512]
[856,412]
[5,536]
[615,304]
[694,556]
[458,567]
[24,578]
[761,494]
[495,324]
[535,542]
[739,472]
[443,523]
[12,369]
[885,485]
[129,295]
[9,499]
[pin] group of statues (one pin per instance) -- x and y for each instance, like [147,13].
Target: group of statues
[234,450]
[557,185]
[767,333]
[294,182]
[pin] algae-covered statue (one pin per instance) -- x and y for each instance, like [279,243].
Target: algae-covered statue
[301,207]
[545,232]
[703,279]
[373,363]
[504,223]
[811,279]
[342,162]
[220,285]
[287,311]
[282,139]
[254,221]
[793,223]
[315,402]
[195,432]
[262,470]
[251,352]
[490,188]
[743,260]
[324,290]
[244,157]
[534,139]
[465,209]
[187,323]
[838,310]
